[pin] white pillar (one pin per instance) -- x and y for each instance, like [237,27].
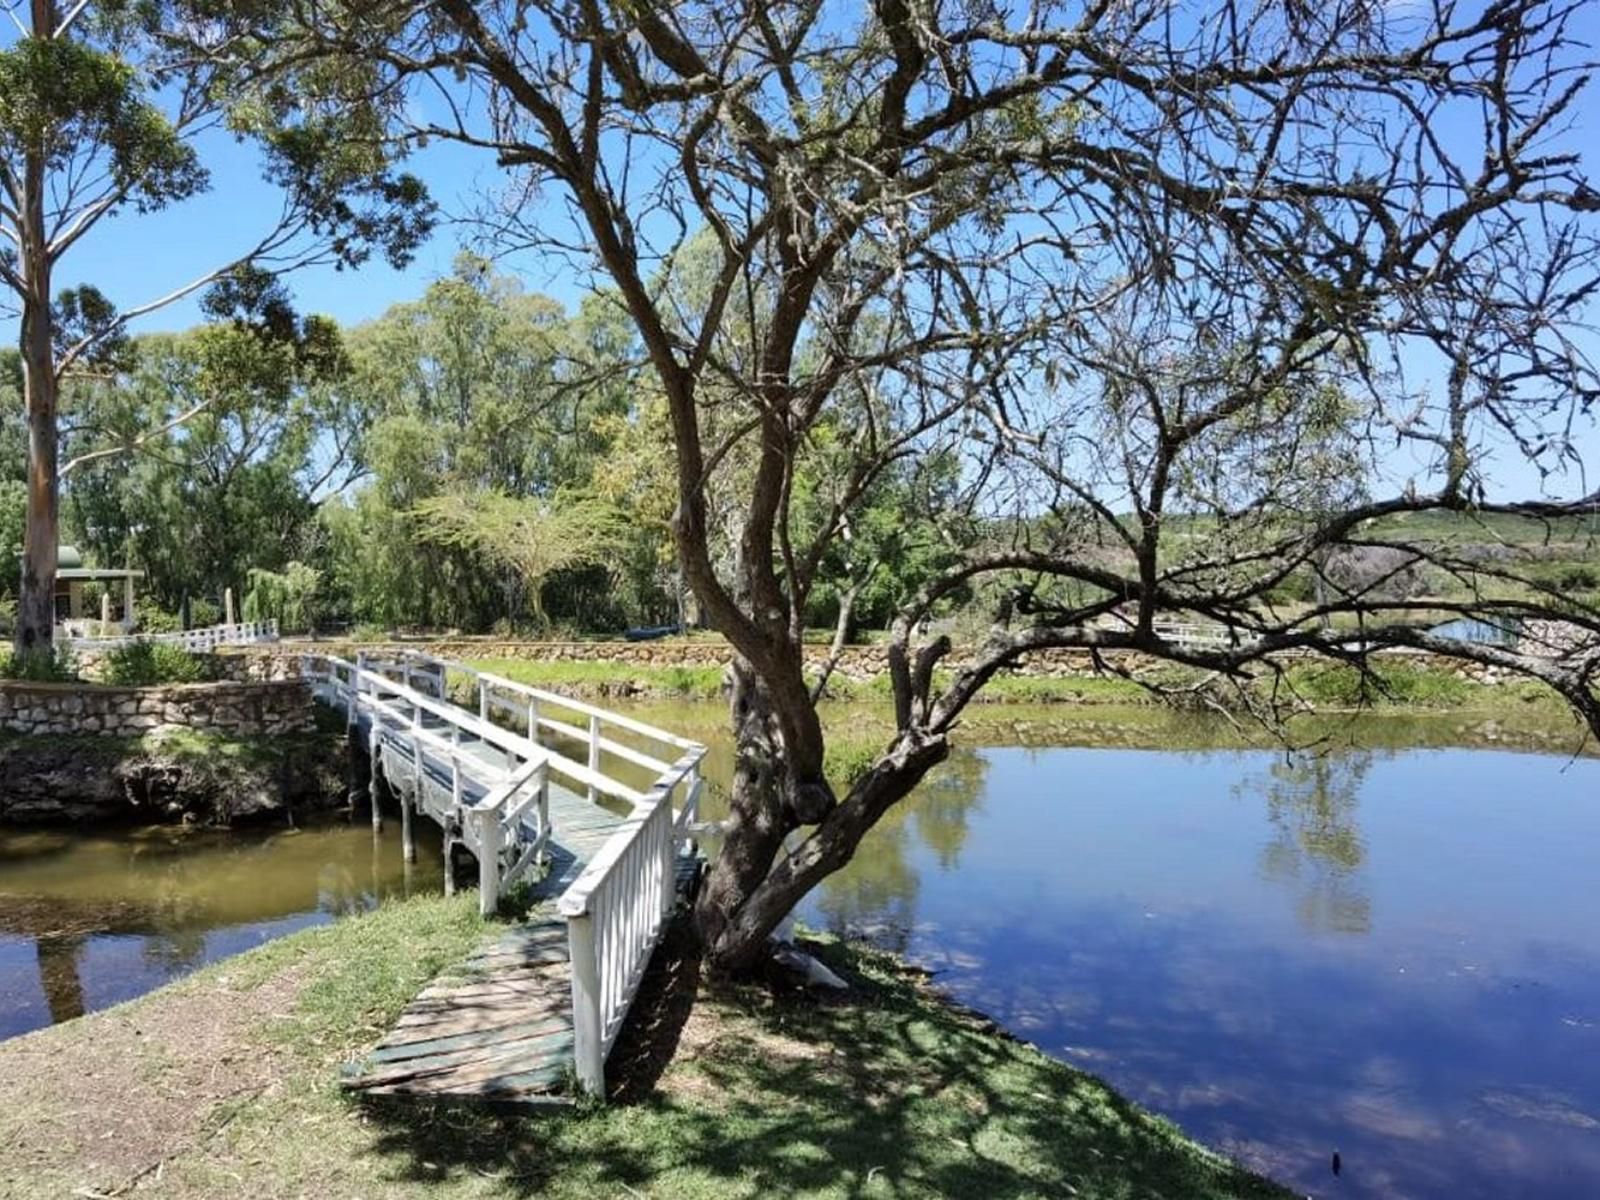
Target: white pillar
[587,1051]
[227,606]
[488,821]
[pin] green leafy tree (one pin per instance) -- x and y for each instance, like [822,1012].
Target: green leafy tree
[264,431]
[533,538]
[100,109]
[291,597]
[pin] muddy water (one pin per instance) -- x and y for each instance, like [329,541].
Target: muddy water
[88,920]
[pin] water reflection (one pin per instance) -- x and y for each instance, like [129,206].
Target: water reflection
[875,896]
[1426,1003]
[87,920]
[1316,848]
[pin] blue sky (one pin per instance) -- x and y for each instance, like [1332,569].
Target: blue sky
[134,258]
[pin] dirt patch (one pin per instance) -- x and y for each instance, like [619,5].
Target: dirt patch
[97,1107]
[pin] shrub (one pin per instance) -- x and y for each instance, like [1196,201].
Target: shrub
[147,664]
[1386,684]
[152,618]
[59,667]
[203,613]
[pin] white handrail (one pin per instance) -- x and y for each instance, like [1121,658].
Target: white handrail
[616,910]
[206,638]
[622,900]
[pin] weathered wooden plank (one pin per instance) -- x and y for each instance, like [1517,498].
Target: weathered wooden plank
[459,1052]
[547,1056]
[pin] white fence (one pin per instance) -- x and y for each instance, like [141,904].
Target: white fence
[617,908]
[197,641]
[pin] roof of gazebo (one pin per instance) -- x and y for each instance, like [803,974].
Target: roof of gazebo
[69,565]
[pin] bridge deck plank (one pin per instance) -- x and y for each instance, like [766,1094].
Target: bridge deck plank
[498,1026]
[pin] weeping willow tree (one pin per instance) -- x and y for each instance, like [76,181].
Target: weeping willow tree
[532,539]
[289,598]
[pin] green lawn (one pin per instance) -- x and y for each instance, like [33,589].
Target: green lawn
[225,1085]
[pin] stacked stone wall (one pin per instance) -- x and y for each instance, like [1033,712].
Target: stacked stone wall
[245,709]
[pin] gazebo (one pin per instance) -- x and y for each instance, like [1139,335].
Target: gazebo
[71,575]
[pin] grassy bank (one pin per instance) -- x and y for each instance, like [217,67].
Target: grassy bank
[1320,686]
[225,1085]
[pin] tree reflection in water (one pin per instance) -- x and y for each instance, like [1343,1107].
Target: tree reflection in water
[875,897]
[1317,847]
[58,976]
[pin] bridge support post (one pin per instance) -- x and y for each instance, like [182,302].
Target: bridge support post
[588,1053]
[449,859]
[594,751]
[488,831]
[408,846]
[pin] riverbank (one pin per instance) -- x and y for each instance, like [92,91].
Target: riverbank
[1316,687]
[170,774]
[225,1083]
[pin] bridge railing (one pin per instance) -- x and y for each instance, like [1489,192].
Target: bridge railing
[617,909]
[197,641]
[508,829]
[596,730]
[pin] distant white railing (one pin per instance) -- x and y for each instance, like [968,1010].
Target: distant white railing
[196,641]
[1188,633]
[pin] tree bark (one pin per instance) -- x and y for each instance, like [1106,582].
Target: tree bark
[757,823]
[761,874]
[36,616]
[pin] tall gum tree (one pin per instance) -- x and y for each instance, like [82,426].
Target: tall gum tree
[101,108]
[1143,269]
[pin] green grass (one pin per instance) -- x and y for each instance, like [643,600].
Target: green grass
[608,679]
[1333,685]
[892,1093]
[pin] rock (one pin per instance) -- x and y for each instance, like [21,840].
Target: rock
[808,971]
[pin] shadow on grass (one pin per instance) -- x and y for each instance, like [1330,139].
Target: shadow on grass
[888,1092]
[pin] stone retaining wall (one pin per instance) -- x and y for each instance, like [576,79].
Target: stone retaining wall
[857,663]
[242,708]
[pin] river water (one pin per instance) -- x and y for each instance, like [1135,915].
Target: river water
[1389,948]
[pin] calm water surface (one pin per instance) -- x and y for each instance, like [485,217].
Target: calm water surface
[1391,953]
[89,920]
[1394,955]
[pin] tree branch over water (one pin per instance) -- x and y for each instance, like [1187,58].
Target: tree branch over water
[1138,299]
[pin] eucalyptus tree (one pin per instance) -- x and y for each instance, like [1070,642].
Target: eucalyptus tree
[1103,255]
[214,445]
[103,108]
[479,387]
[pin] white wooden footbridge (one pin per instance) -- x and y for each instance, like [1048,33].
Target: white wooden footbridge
[585,806]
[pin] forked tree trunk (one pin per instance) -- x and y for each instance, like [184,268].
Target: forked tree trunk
[760,876]
[756,825]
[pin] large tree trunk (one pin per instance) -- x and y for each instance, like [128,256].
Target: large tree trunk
[761,872]
[756,825]
[36,615]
